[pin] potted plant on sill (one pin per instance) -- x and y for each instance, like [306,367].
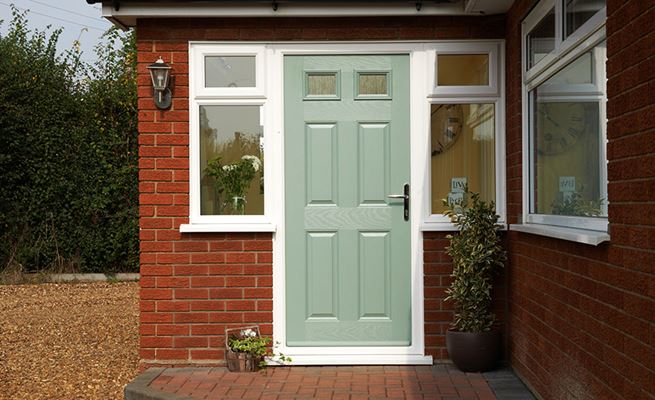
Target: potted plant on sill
[473,342]
[247,351]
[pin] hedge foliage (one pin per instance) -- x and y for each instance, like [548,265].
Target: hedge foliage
[68,154]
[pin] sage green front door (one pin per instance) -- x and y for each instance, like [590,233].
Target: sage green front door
[346,149]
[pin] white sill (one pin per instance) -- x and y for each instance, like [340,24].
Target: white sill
[585,236]
[195,228]
[447,227]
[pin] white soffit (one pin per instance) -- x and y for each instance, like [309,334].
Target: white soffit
[128,12]
[487,7]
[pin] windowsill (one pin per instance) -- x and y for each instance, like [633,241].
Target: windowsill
[572,234]
[447,227]
[255,227]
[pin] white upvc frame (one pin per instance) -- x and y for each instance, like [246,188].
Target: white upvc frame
[415,353]
[491,49]
[566,51]
[273,220]
[197,65]
[494,93]
[199,95]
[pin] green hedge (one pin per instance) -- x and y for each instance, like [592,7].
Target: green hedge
[68,154]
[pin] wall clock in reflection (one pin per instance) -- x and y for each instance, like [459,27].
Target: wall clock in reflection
[559,126]
[445,126]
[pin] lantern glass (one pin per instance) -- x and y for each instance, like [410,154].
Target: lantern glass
[159,77]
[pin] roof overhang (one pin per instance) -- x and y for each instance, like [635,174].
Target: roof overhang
[125,13]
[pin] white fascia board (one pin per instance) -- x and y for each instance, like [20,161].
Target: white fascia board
[128,13]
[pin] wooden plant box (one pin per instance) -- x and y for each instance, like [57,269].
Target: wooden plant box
[241,362]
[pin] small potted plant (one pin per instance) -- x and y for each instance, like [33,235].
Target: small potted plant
[473,342]
[247,350]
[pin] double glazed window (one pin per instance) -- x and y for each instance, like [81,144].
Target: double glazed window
[564,115]
[228,163]
[464,105]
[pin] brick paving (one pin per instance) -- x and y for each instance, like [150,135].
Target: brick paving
[344,382]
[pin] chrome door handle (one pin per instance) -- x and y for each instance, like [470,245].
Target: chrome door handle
[405,197]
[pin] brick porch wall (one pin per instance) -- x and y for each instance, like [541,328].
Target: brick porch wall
[439,313]
[581,317]
[196,285]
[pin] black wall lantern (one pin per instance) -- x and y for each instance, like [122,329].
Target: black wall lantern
[159,73]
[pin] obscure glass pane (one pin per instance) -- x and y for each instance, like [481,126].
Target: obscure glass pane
[322,84]
[373,84]
[230,71]
[462,69]
[463,152]
[541,40]
[578,12]
[567,135]
[231,161]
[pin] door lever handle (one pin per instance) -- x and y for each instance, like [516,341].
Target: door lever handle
[405,197]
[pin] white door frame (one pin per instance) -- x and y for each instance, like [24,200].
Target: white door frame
[413,354]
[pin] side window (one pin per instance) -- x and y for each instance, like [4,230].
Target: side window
[465,108]
[564,130]
[228,172]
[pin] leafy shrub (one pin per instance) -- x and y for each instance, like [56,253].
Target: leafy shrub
[68,154]
[477,256]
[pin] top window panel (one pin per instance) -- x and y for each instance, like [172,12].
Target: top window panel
[463,69]
[577,12]
[230,72]
[541,39]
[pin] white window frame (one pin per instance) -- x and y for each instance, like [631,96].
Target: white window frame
[493,93]
[199,95]
[491,49]
[590,230]
[197,65]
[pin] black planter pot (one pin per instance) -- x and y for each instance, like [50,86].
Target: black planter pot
[474,352]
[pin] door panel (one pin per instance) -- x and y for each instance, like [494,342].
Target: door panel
[347,243]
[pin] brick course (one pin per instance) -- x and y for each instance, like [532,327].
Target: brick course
[581,317]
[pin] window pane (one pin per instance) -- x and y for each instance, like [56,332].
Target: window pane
[373,84]
[567,142]
[231,161]
[463,151]
[541,40]
[462,69]
[230,71]
[578,12]
[322,84]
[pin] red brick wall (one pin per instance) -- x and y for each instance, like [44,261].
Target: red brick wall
[439,313]
[581,318]
[196,285]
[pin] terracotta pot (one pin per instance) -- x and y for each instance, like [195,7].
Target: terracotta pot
[474,352]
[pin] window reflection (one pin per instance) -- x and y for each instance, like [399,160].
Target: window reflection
[541,40]
[231,160]
[578,12]
[463,152]
[567,116]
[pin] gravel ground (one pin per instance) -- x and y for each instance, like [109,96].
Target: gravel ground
[68,341]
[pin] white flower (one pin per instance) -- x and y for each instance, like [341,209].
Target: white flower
[229,167]
[256,162]
[248,333]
